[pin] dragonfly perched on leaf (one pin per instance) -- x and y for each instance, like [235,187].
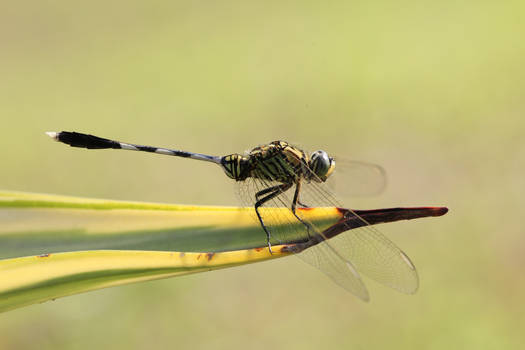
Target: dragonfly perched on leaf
[281,175]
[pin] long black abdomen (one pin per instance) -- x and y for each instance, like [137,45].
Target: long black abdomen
[76,139]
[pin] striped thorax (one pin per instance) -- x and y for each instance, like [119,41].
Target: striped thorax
[279,161]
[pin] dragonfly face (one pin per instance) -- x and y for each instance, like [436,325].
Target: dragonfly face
[321,165]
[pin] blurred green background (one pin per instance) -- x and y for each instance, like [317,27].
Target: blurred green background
[433,91]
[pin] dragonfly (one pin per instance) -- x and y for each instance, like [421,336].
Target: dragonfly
[282,175]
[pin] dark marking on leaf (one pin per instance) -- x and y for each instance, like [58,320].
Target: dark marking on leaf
[292,248]
[306,208]
[357,218]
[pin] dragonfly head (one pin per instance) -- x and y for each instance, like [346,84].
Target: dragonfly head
[321,165]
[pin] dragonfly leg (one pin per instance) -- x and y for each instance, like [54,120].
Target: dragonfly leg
[273,191]
[265,191]
[294,206]
[302,204]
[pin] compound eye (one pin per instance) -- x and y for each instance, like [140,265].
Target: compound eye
[320,164]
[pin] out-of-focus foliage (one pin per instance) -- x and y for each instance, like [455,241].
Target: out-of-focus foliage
[432,91]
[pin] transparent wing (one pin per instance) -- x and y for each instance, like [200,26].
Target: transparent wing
[356,178]
[364,250]
[285,227]
[369,250]
[342,272]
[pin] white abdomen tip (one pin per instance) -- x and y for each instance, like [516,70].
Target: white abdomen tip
[52,134]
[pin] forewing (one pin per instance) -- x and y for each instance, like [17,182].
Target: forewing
[356,178]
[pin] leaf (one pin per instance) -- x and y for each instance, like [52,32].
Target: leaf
[53,246]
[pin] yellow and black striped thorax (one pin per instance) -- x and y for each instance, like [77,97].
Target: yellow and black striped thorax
[277,161]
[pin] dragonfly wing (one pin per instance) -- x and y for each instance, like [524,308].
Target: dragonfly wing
[342,272]
[285,227]
[282,224]
[366,247]
[378,258]
[356,178]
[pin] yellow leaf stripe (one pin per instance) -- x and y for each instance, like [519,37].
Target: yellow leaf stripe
[38,224]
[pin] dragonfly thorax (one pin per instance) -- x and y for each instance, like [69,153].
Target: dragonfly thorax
[279,161]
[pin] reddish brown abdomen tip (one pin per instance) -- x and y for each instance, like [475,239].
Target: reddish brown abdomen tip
[438,211]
